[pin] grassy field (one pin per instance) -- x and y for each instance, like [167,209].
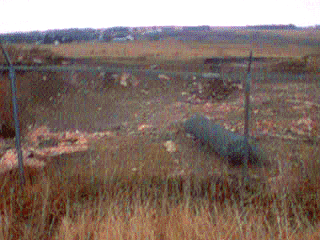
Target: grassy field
[172,49]
[311,34]
[172,55]
[129,185]
[175,49]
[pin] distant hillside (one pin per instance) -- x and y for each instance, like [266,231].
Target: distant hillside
[205,34]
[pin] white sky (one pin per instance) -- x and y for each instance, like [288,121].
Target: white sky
[27,15]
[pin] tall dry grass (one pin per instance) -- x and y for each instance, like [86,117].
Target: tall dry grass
[71,198]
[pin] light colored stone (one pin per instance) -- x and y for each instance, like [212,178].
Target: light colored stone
[163,77]
[211,75]
[170,146]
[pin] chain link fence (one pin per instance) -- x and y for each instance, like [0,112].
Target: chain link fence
[80,94]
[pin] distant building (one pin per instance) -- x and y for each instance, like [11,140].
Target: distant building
[197,28]
[153,31]
[56,39]
[123,39]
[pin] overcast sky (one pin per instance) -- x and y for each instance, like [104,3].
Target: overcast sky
[27,15]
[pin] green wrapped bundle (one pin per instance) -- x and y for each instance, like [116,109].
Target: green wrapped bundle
[228,145]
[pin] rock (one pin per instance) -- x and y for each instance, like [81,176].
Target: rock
[123,79]
[211,75]
[49,142]
[170,146]
[163,77]
[154,67]
[38,60]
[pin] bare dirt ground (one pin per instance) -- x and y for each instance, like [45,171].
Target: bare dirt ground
[152,111]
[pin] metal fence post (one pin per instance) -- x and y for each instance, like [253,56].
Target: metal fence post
[12,77]
[246,117]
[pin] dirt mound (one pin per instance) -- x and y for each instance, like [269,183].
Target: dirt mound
[32,56]
[308,63]
[32,87]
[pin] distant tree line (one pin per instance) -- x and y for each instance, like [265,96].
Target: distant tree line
[70,35]
[21,37]
[118,32]
[273,27]
[50,36]
[49,39]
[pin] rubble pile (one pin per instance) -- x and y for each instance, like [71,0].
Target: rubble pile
[211,86]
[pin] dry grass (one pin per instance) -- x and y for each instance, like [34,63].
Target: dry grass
[181,223]
[174,49]
[73,198]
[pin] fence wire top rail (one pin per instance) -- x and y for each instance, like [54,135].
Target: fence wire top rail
[131,68]
[54,68]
